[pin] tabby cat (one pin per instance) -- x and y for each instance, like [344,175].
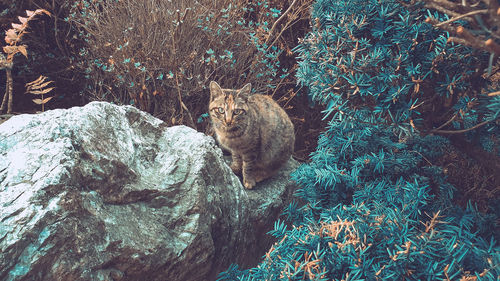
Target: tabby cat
[254,128]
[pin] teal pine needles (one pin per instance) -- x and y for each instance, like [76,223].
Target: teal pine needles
[376,208]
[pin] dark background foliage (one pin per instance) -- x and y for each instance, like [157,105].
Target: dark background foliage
[160,55]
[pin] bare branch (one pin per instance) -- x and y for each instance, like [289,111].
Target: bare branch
[279,20]
[449,132]
[485,11]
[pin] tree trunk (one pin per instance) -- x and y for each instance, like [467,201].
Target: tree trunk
[4,102]
[9,90]
[7,98]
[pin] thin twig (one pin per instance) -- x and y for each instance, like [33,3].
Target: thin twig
[446,123]
[461,131]
[183,106]
[442,9]
[416,106]
[56,29]
[485,11]
[449,5]
[430,163]
[464,42]
[278,21]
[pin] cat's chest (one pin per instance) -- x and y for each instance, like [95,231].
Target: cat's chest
[236,143]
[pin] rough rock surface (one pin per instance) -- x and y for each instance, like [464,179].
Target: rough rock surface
[105,192]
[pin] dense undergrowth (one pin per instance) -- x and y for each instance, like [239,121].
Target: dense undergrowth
[160,55]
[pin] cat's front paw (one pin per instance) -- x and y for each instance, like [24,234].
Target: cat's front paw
[236,168]
[248,183]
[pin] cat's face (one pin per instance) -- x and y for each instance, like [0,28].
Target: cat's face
[229,108]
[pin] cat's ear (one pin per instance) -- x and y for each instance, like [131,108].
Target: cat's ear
[215,90]
[246,90]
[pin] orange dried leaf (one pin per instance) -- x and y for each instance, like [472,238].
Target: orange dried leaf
[41,92]
[38,80]
[23,20]
[30,13]
[42,11]
[45,100]
[43,85]
[18,27]
[9,49]
[39,86]
[22,50]
[11,34]
[40,101]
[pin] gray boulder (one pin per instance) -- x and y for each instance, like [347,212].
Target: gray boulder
[105,192]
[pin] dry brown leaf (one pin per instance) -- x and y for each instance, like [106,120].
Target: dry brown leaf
[38,80]
[38,101]
[45,100]
[23,20]
[10,49]
[18,27]
[42,11]
[41,92]
[22,50]
[43,85]
[11,34]
[39,86]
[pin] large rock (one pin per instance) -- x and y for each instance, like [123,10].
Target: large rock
[104,192]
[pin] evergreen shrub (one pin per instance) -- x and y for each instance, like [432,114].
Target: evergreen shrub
[374,207]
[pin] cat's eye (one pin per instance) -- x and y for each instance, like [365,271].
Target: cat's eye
[219,110]
[238,111]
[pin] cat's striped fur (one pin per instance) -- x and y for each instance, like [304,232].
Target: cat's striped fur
[254,128]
